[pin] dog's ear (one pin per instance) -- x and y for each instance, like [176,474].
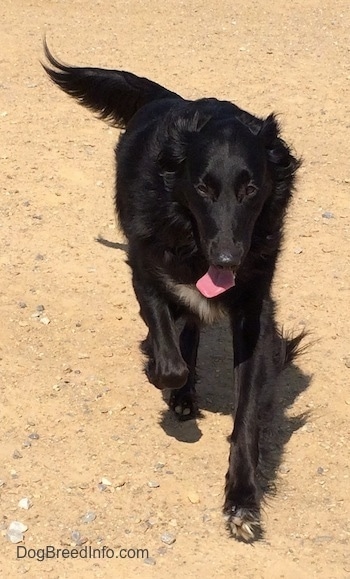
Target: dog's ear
[269,130]
[178,133]
[277,151]
[283,162]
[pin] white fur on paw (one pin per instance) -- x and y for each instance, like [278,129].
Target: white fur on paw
[242,524]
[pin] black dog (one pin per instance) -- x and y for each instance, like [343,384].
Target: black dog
[202,191]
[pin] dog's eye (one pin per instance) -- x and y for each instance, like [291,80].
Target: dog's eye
[202,189]
[251,190]
[246,191]
[205,191]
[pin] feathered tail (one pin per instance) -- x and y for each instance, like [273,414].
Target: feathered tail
[115,95]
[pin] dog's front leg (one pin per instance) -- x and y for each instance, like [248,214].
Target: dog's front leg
[183,401]
[165,367]
[250,327]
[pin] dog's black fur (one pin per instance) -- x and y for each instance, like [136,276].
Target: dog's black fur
[199,183]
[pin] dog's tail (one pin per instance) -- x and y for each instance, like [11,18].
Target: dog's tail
[115,95]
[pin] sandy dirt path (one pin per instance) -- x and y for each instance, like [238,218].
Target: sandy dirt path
[76,406]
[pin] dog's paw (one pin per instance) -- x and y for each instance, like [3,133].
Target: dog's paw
[243,523]
[183,404]
[166,374]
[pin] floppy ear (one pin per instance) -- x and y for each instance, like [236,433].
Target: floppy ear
[277,150]
[178,133]
[269,133]
[283,162]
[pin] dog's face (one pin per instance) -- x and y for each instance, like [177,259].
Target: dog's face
[225,185]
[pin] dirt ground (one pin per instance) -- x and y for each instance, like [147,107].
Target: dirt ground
[76,405]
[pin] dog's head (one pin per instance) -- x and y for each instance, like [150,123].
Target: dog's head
[223,171]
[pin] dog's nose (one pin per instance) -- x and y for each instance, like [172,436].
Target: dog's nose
[228,260]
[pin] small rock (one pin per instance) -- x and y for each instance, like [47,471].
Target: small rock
[328,215]
[83,356]
[101,487]
[40,308]
[17,454]
[149,561]
[283,469]
[39,257]
[34,436]
[206,517]
[298,250]
[25,503]
[193,497]
[36,315]
[347,362]
[162,550]
[22,305]
[26,444]
[105,482]
[88,518]
[168,538]
[76,537]
[159,466]
[18,527]
[45,320]
[153,485]
[2,483]
[15,531]
[14,536]
[320,470]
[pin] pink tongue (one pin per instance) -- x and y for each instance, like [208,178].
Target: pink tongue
[215,282]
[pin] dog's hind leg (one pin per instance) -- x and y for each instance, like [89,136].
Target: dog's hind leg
[183,401]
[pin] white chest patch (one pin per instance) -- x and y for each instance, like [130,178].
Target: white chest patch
[191,297]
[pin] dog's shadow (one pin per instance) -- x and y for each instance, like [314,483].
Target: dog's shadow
[215,394]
